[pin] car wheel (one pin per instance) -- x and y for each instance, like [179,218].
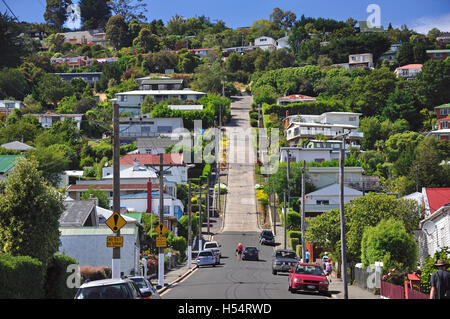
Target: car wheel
[214,265]
[274,272]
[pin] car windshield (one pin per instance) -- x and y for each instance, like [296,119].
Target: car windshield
[285,254]
[205,253]
[309,270]
[251,249]
[211,245]
[267,234]
[118,291]
[140,282]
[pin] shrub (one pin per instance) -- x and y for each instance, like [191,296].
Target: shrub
[293,243]
[298,251]
[253,115]
[21,277]
[295,234]
[293,220]
[253,123]
[90,273]
[180,245]
[55,285]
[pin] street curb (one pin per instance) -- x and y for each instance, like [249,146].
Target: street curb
[177,280]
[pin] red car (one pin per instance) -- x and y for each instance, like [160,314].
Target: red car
[308,277]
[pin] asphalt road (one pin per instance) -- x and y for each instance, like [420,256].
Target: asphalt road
[234,279]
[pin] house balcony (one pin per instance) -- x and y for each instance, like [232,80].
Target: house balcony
[329,134]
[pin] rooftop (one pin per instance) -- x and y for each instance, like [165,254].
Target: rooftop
[160,92]
[437,197]
[149,159]
[410,66]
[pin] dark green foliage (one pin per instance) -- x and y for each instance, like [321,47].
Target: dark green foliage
[56,280]
[21,277]
[293,221]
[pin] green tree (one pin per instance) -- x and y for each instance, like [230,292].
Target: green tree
[434,81]
[390,243]
[94,13]
[147,41]
[13,84]
[117,31]
[51,89]
[29,214]
[297,35]
[129,9]
[102,197]
[56,12]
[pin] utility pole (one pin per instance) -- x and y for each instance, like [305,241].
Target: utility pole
[285,226]
[207,205]
[303,211]
[288,175]
[161,219]
[341,209]
[200,217]
[116,186]
[189,227]
[274,211]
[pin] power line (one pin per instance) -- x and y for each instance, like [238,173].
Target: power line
[10,10]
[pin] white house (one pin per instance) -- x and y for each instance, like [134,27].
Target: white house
[295,98]
[300,154]
[409,71]
[327,198]
[329,124]
[435,231]
[325,176]
[131,101]
[282,43]
[159,83]
[266,43]
[154,145]
[135,127]
[363,60]
[48,119]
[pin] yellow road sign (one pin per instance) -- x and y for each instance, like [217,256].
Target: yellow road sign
[115,222]
[161,229]
[161,241]
[114,241]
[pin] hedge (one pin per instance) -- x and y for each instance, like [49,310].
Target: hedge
[21,277]
[56,286]
[298,251]
[293,243]
[295,234]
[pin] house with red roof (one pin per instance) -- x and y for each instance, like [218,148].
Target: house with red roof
[295,98]
[442,128]
[434,230]
[409,71]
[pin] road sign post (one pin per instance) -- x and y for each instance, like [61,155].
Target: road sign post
[116,189]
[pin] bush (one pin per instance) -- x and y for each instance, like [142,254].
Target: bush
[180,245]
[295,234]
[55,285]
[293,220]
[21,277]
[253,123]
[254,115]
[298,251]
[293,243]
[390,243]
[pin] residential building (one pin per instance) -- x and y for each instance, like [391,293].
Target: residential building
[187,107]
[135,127]
[83,234]
[89,77]
[295,98]
[89,37]
[324,176]
[391,54]
[364,60]
[159,83]
[174,166]
[48,119]
[7,163]
[334,145]
[201,53]
[106,60]
[438,54]
[435,226]
[7,106]
[409,71]
[442,129]
[300,154]
[154,145]
[266,43]
[242,50]
[131,101]
[17,146]
[443,39]
[329,124]
[328,198]
[72,60]
[283,43]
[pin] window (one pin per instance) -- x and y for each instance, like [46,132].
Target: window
[323,202]
[123,98]
[352,119]
[319,160]
[444,124]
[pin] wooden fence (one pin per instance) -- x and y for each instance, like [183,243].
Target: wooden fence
[391,291]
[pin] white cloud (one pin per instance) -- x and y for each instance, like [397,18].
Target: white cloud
[425,24]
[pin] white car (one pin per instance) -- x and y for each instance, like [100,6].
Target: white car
[215,248]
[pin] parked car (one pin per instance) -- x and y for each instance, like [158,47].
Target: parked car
[266,238]
[206,258]
[308,277]
[250,253]
[146,287]
[215,247]
[122,288]
[283,260]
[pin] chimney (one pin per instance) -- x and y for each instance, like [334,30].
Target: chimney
[135,164]
[149,196]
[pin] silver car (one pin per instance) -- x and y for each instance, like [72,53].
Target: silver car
[206,258]
[109,289]
[146,287]
[283,260]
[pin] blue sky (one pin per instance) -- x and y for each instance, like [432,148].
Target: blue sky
[416,14]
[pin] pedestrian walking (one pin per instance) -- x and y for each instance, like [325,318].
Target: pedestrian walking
[440,281]
[328,269]
[325,259]
[239,250]
[307,257]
